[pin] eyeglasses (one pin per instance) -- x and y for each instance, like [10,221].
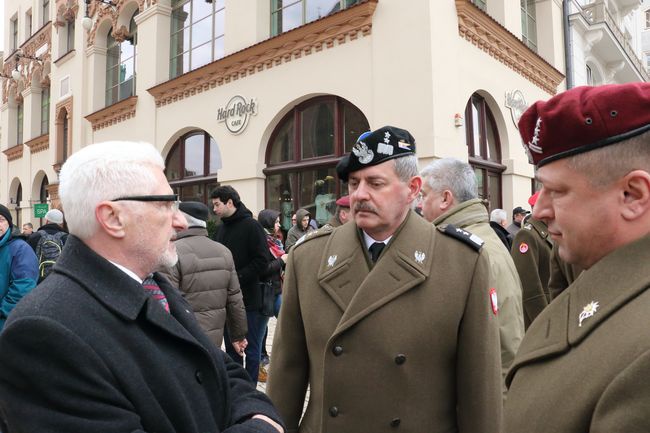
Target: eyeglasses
[170,198]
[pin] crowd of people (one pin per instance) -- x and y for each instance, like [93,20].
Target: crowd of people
[415,307]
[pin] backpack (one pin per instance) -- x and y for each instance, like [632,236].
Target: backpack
[48,250]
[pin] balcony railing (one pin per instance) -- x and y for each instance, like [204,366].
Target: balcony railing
[597,13]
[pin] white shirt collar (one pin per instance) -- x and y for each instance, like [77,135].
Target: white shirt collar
[368,240]
[128,272]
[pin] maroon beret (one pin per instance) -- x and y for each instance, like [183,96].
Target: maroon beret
[584,118]
[344,201]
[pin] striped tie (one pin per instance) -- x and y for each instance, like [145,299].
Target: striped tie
[153,290]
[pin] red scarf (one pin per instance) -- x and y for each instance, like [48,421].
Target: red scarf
[275,246]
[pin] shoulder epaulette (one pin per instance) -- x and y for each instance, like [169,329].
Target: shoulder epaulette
[323,231]
[462,235]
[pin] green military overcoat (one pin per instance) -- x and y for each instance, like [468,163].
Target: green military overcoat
[472,216]
[562,274]
[584,363]
[410,344]
[531,252]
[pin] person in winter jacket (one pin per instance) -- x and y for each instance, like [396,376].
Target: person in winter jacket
[245,239]
[18,267]
[300,229]
[206,276]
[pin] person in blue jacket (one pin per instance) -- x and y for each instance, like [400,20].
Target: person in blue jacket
[18,267]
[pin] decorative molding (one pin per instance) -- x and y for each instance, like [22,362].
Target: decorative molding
[27,67]
[100,12]
[39,143]
[487,34]
[66,11]
[113,114]
[348,24]
[15,152]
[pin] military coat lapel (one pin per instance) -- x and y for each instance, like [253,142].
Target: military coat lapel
[404,264]
[594,296]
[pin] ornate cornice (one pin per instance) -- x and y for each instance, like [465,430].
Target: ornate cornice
[28,67]
[487,34]
[14,152]
[340,27]
[66,11]
[39,143]
[113,114]
[111,13]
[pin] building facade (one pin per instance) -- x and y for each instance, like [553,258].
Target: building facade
[266,95]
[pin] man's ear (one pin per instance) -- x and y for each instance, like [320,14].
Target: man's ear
[447,200]
[110,219]
[636,194]
[414,185]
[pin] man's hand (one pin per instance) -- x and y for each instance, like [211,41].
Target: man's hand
[240,346]
[277,426]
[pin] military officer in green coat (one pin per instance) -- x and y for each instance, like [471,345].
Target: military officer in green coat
[531,252]
[450,196]
[390,322]
[584,363]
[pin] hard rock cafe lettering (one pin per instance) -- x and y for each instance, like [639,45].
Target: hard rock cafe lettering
[237,113]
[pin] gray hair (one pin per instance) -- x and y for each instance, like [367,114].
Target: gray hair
[607,164]
[104,171]
[194,222]
[498,215]
[453,175]
[406,167]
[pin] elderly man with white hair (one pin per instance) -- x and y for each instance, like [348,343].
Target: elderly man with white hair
[104,345]
[499,222]
[450,196]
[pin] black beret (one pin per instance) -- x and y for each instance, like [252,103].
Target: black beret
[375,147]
[195,209]
[5,213]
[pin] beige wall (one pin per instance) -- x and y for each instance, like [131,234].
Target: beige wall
[412,71]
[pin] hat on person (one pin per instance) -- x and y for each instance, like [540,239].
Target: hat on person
[195,209]
[54,216]
[4,211]
[583,119]
[533,199]
[343,201]
[519,210]
[375,147]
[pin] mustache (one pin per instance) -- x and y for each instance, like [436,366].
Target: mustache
[365,207]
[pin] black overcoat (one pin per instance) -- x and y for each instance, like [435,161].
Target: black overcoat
[89,351]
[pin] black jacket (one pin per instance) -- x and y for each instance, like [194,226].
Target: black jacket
[88,351]
[502,233]
[246,240]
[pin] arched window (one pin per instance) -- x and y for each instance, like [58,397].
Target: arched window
[120,65]
[42,193]
[287,15]
[302,155]
[197,34]
[484,149]
[192,165]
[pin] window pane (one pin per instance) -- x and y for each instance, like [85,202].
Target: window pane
[321,8]
[494,190]
[201,55]
[126,88]
[200,9]
[476,129]
[318,130]
[127,50]
[480,181]
[201,32]
[173,164]
[127,70]
[180,18]
[194,149]
[215,157]
[282,146]
[325,198]
[492,142]
[291,17]
[317,193]
[194,192]
[354,124]
[219,23]
[279,193]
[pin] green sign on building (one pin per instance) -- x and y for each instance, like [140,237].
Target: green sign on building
[40,209]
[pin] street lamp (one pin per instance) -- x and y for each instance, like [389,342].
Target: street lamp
[87,22]
[15,74]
